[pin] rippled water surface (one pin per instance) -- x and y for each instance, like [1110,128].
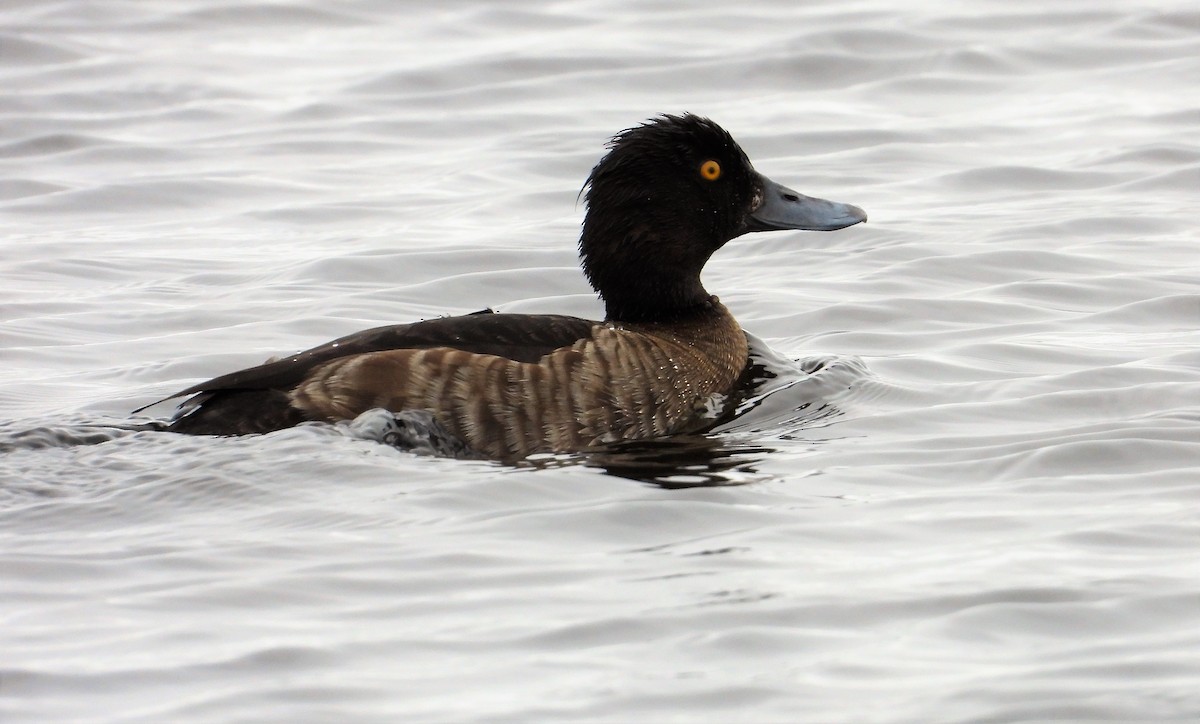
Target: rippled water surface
[969,491]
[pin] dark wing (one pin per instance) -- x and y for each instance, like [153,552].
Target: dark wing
[520,337]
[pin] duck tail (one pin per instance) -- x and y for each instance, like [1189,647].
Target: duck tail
[236,412]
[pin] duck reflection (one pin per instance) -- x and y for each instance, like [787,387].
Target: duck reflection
[683,461]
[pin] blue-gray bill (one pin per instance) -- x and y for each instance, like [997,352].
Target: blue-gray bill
[782,208]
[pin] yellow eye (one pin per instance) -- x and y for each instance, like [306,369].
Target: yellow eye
[710,170]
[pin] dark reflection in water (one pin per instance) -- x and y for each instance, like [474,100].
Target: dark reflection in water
[683,461]
[719,457]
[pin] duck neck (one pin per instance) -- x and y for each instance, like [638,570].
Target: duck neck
[644,277]
[653,299]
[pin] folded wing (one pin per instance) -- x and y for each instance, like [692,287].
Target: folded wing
[258,399]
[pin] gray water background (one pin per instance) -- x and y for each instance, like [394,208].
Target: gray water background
[980,506]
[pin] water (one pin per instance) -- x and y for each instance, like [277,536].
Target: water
[969,493]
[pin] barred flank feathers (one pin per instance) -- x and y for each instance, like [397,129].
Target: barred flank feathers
[625,382]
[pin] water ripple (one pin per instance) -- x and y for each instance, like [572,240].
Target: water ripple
[961,487]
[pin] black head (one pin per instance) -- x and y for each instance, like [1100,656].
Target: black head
[670,193]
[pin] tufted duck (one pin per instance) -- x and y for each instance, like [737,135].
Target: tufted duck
[667,195]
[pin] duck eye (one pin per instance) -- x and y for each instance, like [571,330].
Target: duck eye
[710,170]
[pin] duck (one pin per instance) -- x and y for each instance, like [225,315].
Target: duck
[665,197]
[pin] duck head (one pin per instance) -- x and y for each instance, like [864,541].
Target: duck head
[667,195]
